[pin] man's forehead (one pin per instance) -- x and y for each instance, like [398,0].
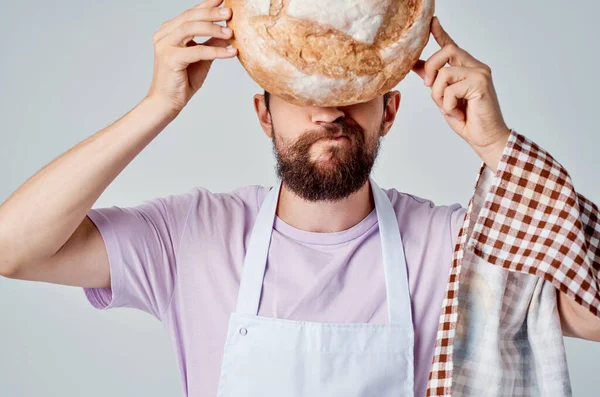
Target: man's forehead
[269,97]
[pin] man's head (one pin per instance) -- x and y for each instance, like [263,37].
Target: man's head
[326,153]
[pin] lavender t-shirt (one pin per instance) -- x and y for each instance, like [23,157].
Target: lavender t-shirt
[180,258]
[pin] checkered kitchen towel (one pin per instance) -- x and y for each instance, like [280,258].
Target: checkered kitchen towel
[499,332]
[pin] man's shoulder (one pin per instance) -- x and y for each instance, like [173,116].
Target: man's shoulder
[420,216]
[241,196]
[413,201]
[412,206]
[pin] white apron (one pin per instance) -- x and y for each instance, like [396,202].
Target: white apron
[269,357]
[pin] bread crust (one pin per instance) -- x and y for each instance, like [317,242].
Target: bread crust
[310,63]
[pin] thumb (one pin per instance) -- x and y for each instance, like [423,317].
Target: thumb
[216,42]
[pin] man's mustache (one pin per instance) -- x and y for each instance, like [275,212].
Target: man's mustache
[337,128]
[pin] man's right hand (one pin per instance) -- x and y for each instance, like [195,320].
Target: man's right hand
[180,64]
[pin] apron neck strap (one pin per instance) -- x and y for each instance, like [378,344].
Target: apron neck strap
[257,253]
[394,261]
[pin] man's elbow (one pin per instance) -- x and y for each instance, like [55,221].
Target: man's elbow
[593,333]
[7,270]
[587,334]
[8,264]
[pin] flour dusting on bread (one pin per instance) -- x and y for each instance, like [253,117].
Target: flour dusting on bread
[360,19]
[329,52]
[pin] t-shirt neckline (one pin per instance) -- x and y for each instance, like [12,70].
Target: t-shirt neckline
[321,238]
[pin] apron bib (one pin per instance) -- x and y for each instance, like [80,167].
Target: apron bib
[270,357]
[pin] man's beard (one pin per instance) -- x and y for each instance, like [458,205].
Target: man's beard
[348,165]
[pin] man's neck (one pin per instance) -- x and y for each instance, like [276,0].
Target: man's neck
[325,217]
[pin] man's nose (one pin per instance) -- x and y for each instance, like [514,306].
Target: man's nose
[321,115]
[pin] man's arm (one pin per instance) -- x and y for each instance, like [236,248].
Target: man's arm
[533,197]
[577,321]
[533,210]
[45,234]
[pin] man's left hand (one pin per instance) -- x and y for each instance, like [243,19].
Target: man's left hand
[465,94]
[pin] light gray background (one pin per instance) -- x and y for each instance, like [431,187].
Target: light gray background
[69,68]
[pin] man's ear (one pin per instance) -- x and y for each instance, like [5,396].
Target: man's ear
[264,117]
[390,111]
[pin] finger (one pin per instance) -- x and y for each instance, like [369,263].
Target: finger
[217,42]
[451,55]
[419,68]
[200,52]
[440,35]
[193,14]
[188,30]
[447,76]
[209,4]
[452,95]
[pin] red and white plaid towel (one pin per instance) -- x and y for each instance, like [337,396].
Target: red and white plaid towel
[526,232]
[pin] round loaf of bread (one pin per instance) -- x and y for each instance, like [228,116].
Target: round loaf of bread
[329,52]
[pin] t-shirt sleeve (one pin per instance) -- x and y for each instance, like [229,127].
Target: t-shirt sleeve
[142,244]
